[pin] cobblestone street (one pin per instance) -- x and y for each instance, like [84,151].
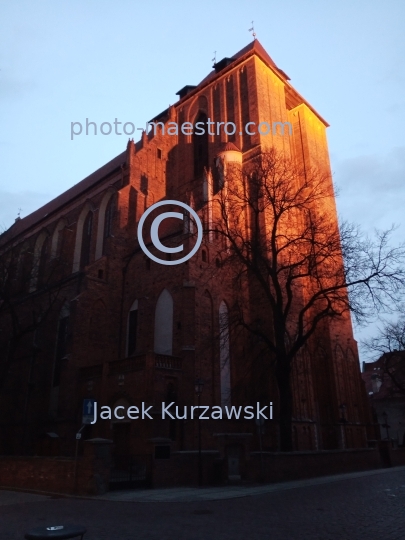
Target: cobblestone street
[368,506]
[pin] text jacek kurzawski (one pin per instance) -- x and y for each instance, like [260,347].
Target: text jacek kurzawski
[173,411]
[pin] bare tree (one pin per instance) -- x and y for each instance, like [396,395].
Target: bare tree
[288,258]
[389,345]
[29,294]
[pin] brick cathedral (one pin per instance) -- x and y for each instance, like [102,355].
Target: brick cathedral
[122,329]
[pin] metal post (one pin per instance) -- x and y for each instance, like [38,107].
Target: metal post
[199,445]
[261,452]
[78,437]
[199,383]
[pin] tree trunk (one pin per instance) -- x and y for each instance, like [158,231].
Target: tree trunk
[5,363]
[285,405]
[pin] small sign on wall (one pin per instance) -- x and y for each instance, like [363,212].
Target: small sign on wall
[88,411]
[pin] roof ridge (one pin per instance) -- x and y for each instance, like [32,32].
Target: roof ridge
[61,200]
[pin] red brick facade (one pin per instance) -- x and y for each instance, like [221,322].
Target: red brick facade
[84,245]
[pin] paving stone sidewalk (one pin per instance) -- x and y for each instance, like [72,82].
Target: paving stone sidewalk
[228,492]
[362,506]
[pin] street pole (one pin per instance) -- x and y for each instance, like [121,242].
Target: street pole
[261,452]
[259,424]
[199,445]
[78,437]
[199,384]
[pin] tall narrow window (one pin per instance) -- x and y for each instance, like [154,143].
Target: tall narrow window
[108,222]
[43,260]
[108,218]
[244,98]
[164,324]
[39,260]
[86,240]
[224,358]
[24,270]
[217,103]
[132,329]
[58,239]
[200,144]
[230,105]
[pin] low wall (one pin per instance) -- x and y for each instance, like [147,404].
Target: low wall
[182,467]
[57,474]
[397,456]
[37,473]
[279,467]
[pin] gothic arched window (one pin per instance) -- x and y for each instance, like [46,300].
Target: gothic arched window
[39,260]
[200,144]
[164,324]
[86,240]
[108,221]
[24,269]
[43,260]
[58,239]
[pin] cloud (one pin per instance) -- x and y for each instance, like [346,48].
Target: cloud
[372,193]
[372,190]
[14,89]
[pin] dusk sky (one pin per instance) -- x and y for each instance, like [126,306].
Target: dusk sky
[66,61]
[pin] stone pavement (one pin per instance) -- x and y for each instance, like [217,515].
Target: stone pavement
[186,494]
[358,506]
[18,497]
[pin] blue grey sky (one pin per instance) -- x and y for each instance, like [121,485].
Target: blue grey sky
[71,60]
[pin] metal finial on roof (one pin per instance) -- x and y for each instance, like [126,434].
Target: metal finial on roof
[19,212]
[253,30]
[215,57]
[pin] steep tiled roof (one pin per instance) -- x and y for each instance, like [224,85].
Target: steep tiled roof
[229,146]
[253,47]
[45,211]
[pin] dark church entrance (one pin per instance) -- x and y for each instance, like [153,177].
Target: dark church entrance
[128,471]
